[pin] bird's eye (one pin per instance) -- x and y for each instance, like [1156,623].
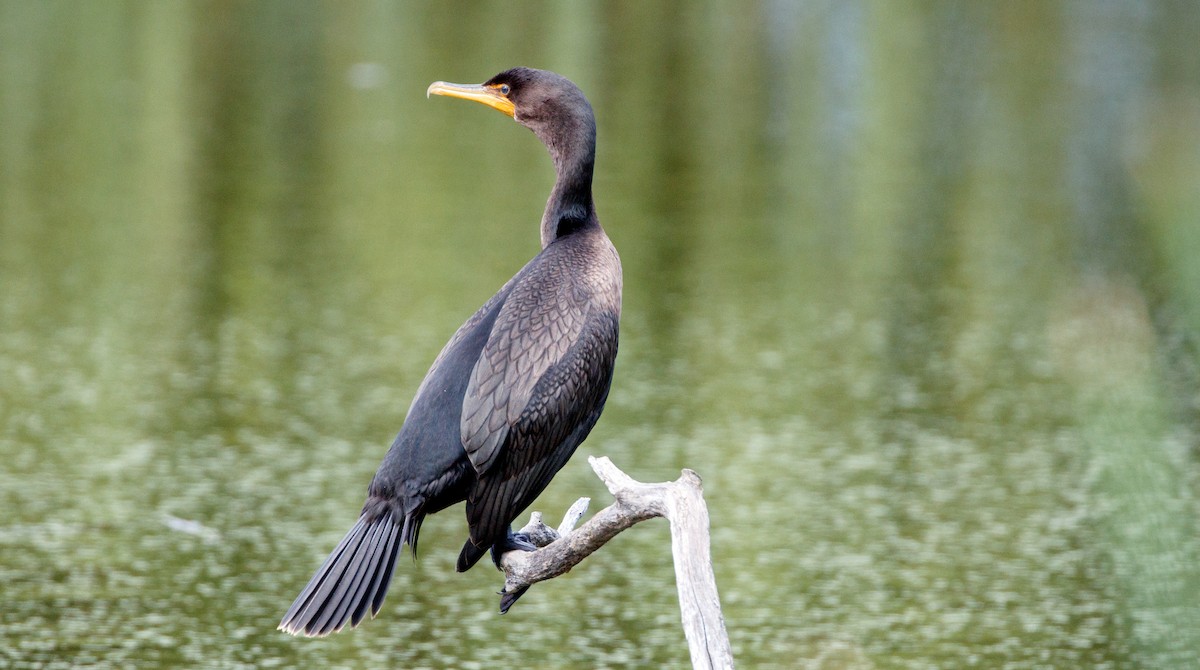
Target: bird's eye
[505,89]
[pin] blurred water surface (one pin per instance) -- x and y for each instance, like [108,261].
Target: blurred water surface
[911,285]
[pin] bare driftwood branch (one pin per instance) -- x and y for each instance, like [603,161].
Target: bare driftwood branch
[682,503]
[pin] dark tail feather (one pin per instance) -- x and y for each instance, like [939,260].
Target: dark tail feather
[469,556]
[355,577]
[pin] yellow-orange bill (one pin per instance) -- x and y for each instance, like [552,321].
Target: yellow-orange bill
[488,95]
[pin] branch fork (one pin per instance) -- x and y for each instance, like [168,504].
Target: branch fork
[681,502]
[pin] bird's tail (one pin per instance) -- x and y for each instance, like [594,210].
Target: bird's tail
[355,577]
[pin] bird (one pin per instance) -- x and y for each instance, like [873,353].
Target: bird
[511,395]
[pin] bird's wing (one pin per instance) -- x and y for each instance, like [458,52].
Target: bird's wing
[542,317]
[564,406]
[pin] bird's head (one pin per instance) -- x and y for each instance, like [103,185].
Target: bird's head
[547,103]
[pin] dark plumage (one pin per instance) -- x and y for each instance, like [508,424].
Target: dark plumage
[514,391]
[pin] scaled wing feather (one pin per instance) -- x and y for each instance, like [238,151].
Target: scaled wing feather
[537,324]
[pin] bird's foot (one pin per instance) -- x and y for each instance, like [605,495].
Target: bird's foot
[511,542]
[507,598]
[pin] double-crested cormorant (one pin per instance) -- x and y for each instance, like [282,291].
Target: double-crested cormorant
[514,391]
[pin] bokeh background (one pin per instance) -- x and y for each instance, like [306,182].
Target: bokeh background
[912,285]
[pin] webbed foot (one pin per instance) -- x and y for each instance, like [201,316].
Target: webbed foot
[512,542]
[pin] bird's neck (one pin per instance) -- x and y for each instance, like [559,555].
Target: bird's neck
[570,207]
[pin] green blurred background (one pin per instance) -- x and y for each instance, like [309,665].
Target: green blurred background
[912,285]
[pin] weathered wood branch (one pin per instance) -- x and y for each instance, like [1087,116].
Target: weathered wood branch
[682,503]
